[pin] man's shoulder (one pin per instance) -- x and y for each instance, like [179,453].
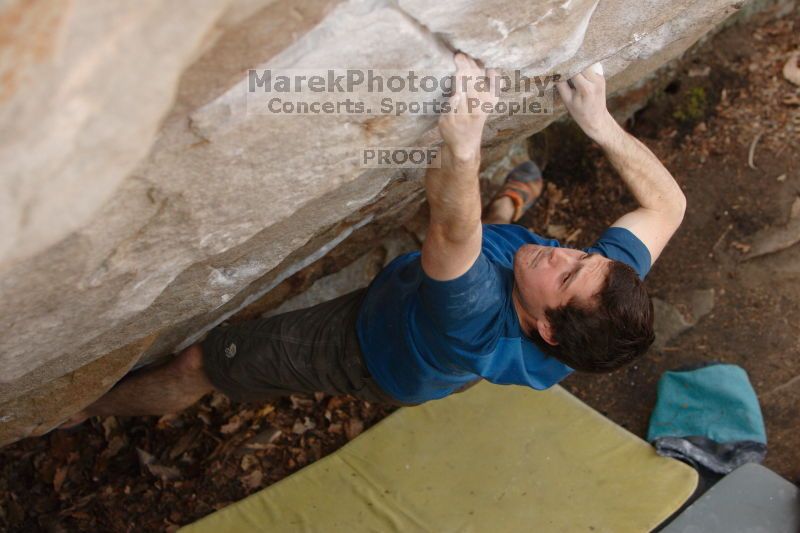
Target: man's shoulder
[515,234]
[621,244]
[501,242]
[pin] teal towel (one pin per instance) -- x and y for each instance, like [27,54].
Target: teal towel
[708,416]
[717,402]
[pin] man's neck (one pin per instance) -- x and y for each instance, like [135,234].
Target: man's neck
[527,322]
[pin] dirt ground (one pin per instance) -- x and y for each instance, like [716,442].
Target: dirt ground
[728,107]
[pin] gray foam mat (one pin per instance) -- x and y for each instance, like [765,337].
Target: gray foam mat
[751,499]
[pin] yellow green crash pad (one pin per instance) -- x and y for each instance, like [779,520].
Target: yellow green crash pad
[489,459]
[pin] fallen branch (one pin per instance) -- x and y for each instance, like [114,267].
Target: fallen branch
[715,248]
[752,152]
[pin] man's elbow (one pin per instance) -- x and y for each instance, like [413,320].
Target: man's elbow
[677,208]
[681,200]
[671,209]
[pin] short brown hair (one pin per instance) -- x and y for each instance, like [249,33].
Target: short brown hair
[612,330]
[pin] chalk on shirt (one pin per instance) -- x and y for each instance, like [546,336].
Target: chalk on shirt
[597,68]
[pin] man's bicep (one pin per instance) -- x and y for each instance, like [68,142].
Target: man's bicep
[444,259]
[653,228]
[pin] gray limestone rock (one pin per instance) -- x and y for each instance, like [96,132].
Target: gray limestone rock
[686,310]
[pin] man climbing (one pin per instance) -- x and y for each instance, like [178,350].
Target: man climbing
[491,301]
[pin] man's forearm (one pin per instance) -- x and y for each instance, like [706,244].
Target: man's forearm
[648,180]
[453,194]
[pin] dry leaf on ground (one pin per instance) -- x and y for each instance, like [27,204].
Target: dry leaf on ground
[791,70]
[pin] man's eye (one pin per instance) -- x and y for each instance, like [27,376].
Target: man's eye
[564,280]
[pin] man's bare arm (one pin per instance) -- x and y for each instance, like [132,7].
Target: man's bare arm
[662,203]
[453,240]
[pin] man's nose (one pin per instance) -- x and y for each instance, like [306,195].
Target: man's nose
[559,257]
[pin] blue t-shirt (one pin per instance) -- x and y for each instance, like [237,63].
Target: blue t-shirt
[423,339]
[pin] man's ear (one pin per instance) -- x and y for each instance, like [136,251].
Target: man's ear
[546,332]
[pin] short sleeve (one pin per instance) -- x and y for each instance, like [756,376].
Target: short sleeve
[467,308]
[620,244]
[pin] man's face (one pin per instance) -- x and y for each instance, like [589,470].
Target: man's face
[547,277]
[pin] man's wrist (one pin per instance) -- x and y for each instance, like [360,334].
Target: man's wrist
[462,156]
[605,131]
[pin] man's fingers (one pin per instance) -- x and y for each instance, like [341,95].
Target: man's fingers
[594,73]
[455,101]
[564,91]
[466,65]
[458,78]
[462,64]
[467,61]
[581,83]
[471,84]
[592,77]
